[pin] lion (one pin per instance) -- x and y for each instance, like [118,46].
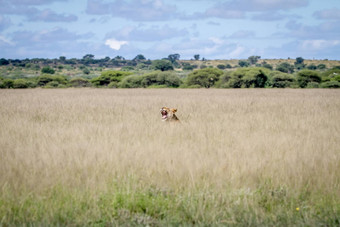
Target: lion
[168,114]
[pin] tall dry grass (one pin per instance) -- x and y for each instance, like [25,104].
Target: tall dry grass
[87,139]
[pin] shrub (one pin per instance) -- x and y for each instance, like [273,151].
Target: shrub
[20,83]
[188,66]
[127,68]
[52,84]
[79,82]
[248,77]
[163,65]
[312,85]
[132,81]
[281,80]
[86,71]
[285,68]
[331,74]
[109,76]
[306,76]
[220,66]
[6,83]
[312,67]
[204,77]
[45,79]
[266,65]
[321,66]
[243,63]
[113,84]
[330,84]
[154,79]
[48,70]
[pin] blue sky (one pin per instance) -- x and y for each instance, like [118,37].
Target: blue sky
[221,29]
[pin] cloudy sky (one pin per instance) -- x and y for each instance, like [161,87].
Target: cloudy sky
[214,29]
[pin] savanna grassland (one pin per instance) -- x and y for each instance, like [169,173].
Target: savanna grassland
[268,157]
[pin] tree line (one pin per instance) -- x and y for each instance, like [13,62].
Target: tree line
[161,73]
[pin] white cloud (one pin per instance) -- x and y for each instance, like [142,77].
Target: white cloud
[319,44]
[115,44]
[155,33]
[6,41]
[237,52]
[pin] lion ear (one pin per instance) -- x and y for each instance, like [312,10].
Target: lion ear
[174,110]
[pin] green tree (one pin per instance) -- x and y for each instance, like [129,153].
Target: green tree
[299,60]
[48,70]
[4,61]
[299,63]
[285,67]
[312,67]
[45,79]
[321,66]
[204,77]
[6,83]
[281,80]
[266,65]
[62,58]
[139,57]
[243,63]
[20,83]
[163,65]
[86,71]
[308,76]
[109,76]
[248,77]
[197,57]
[88,56]
[253,59]
[173,57]
[221,66]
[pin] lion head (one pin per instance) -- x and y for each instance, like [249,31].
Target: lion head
[168,114]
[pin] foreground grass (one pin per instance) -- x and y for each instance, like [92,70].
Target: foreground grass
[102,157]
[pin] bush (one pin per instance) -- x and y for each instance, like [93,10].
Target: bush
[220,66]
[48,70]
[109,76]
[285,68]
[113,84]
[79,82]
[6,83]
[330,84]
[188,66]
[163,65]
[266,65]
[243,63]
[312,85]
[20,83]
[248,77]
[204,77]
[281,80]
[331,74]
[312,67]
[154,79]
[306,76]
[132,81]
[45,79]
[86,71]
[321,66]
[52,84]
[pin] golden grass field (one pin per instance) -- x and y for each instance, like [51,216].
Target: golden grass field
[269,153]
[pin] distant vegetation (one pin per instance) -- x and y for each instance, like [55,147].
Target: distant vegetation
[171,72]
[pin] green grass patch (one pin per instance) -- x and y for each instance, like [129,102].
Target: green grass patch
[127,205]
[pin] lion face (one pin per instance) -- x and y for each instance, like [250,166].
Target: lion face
[168,114]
